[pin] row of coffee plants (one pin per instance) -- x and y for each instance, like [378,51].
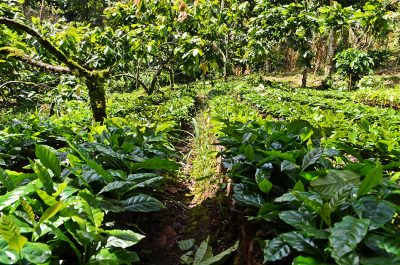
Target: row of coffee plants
[318,193]
[316,205]
[69,188]
[370,131]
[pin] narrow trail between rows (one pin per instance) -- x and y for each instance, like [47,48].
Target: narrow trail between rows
[195,206]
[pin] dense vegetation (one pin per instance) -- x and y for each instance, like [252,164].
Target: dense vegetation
[199,132]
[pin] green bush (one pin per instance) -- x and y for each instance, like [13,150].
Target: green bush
[354,64]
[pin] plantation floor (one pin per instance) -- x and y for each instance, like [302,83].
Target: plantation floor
[196,207]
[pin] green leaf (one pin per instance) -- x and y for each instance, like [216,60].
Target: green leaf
[299,186]
[11,233]
[265,186]
[36,253]
[28,209]
[334,180]
[373,178]
[312,157]
[47,199]
[384,243]
[91,206]
[7,256]
[287,165]
[221,257]
[17,242]
[346,235]
[379,261]
[8,229]
[51,211]
[91,163]
[203,253]
[250,199]
[275,249]
[300,242]
[157,164]
[110,256]
[300,260]
[122,238]
[297,219]
[378,211]
[48,158]
[6,180]
[116,185]
[340,197]
[142,203]
[13,196]
[185,245]
[44,176]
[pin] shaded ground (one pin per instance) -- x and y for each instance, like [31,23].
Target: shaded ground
[182,220]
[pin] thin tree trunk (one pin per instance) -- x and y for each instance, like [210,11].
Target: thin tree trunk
[138,74]
[226,57]
[97,96]
[331,50]
[330,53]
[171,78]
[41,11]
[304,78]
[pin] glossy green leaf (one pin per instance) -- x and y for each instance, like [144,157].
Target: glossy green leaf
[44,176]
[48,158]
[265,186]
[6,180]
[185,245]
[275,249]
[221,258]
[13,196]
[51,211]
[122,238]
[346,235]
[300,260]
[373,178]
[300,242]
[333,181]
[203,253]
[142,203]
[312,157]
[116,185]
[381,243]
[28,209]
[287,165]
[111,256]
[158,164]
[379,212]
[36,253]
[250,199]
[47,199]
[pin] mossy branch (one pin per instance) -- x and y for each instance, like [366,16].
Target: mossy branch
[45,43]
[20,55]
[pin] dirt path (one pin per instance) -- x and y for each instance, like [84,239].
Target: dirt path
[196,208]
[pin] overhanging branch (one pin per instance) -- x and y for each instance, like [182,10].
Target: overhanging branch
[44,42]
[20,55]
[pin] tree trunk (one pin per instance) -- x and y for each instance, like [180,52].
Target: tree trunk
[171,78]
[330,53]
[350,82]
[226,57]
[331,50]
[304,78]
[41,11]
[97,96]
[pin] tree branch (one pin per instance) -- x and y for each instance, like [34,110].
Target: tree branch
[19,54]
[45,43]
